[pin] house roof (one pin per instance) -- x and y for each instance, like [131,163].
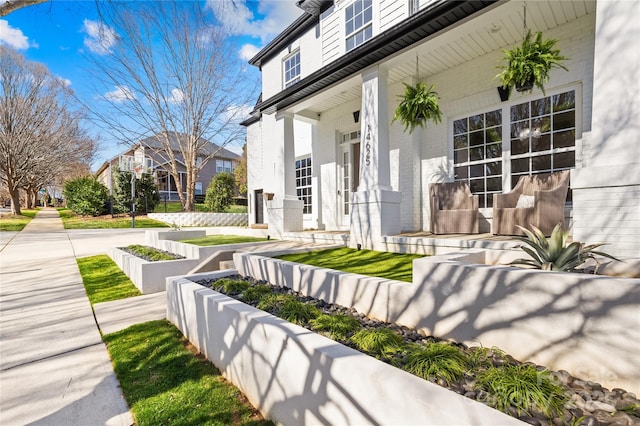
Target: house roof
[437,16]
[208,148]
[286,37]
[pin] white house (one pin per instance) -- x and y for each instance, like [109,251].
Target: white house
[323,154]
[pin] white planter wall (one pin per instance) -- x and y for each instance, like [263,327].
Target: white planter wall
[587,325]
[150,277]
[295,377]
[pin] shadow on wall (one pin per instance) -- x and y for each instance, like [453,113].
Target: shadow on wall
[587,325]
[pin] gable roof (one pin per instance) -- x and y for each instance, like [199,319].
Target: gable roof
[434,18]
[208,148]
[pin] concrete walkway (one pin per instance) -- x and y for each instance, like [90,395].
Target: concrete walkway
[54,367]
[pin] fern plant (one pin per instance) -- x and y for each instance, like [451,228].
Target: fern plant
[418,104]
[530,63]
[554,254]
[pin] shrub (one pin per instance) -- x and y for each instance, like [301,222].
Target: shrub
[436,360]
[220,192]
[255,293]
[273,302]
[523,387]
[151,254]
[233,287]
[378,342]
[297,312]
[338,326]
[86,196]
[147,195]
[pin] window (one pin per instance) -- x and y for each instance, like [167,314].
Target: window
[477,154]
[358,26]
[224,166]
[543,135]
[542,140]
[303,183]
[292,69]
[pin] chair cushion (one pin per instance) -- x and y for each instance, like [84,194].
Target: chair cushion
[525,201]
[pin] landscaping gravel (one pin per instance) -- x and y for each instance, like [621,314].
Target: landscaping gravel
[590,404]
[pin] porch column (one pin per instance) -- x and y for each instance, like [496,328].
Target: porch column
[605,188]
[375,210]
[285,209]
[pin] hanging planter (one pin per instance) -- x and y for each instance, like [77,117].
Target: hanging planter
[418,105]
[529,64]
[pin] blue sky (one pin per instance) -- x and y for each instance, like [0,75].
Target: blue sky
[57,33]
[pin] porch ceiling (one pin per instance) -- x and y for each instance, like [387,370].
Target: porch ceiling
[496,28]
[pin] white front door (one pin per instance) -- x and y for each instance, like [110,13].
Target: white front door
[349,176]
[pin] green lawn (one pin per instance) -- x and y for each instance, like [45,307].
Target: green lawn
[388,265]
[73,221]
[17,223]
[164,383]
[103,280]
[214,240]
[176,207]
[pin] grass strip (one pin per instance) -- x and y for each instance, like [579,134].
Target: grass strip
[11,222]
[72,221]
[215,240]
[165,383]
[393,266]
[103,280]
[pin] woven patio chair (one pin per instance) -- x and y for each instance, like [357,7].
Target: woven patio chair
[454,210]
[535,200]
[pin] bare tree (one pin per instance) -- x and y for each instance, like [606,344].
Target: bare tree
[174,73]
[40,134]
[12,5]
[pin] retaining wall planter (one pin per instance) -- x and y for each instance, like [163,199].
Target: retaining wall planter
[150,277]
[152,237]
[294,376]
[588,325]
[202,219]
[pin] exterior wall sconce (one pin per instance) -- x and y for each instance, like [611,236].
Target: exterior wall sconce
[356,116]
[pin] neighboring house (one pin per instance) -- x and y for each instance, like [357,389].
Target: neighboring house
[320,145]
[156,161]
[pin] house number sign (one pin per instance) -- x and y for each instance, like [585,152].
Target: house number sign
[367,158]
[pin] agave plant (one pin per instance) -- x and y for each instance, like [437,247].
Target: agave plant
[418,104]
[554,254]
[530,63]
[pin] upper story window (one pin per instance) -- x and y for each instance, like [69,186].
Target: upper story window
[358,25]
[292,69]
[225,166]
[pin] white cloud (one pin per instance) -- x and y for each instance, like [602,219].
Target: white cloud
[177,96]
[12,36]
[237,112]
[100,38]
[121,94]
[248,51]
[65,81]
[237,18]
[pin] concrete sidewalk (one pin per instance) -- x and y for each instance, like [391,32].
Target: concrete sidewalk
[54,367]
